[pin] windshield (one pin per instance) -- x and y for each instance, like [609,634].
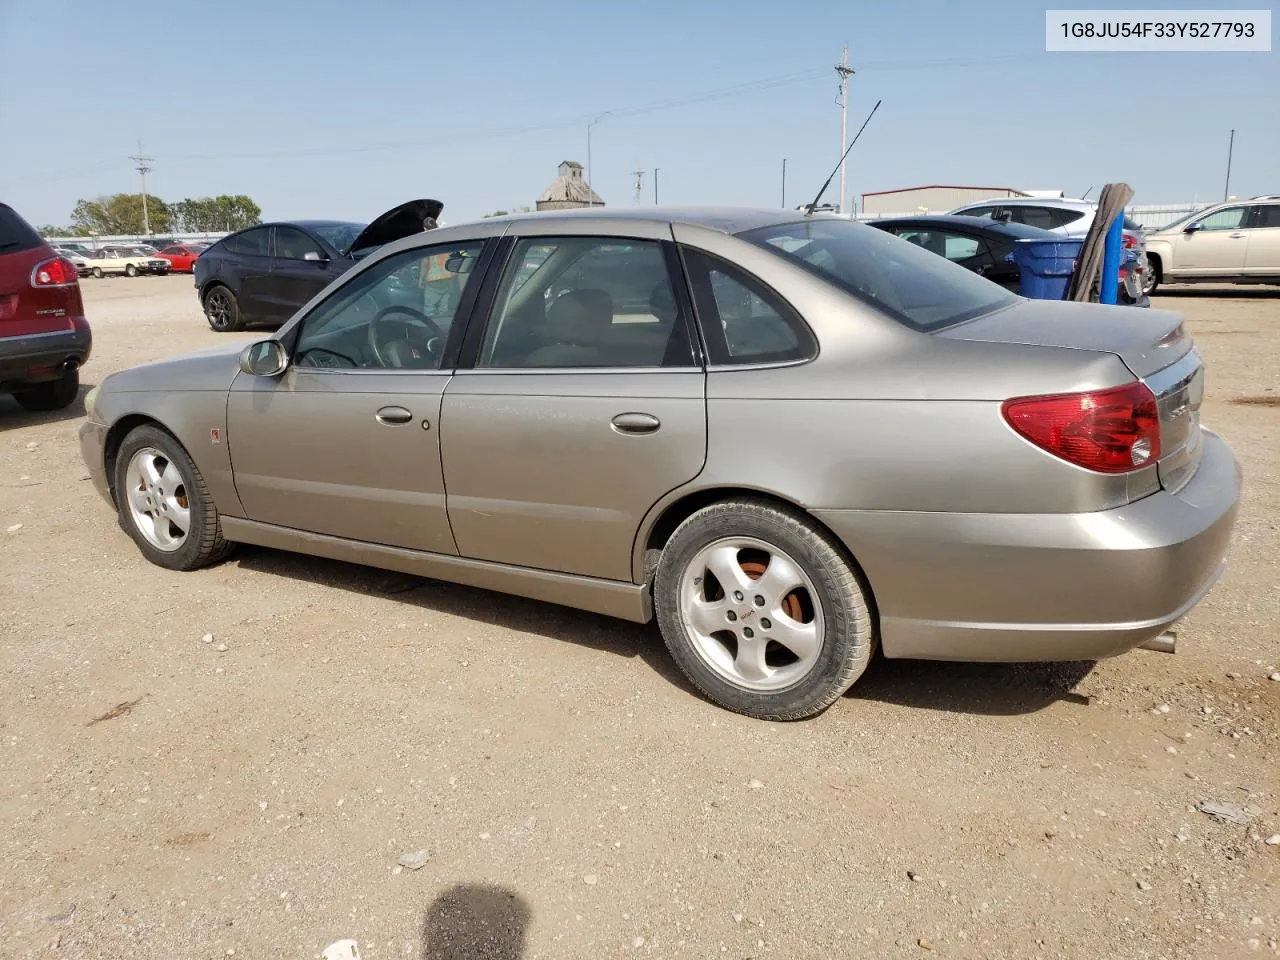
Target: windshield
[1180,221]
[917,288]
[340,236]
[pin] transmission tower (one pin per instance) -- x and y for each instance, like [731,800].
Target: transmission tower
[143,170]
[639,175]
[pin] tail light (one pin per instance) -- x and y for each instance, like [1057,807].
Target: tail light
[1129,241]
[1110,431]
[58,272]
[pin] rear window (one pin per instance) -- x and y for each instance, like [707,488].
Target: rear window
[15,233]
[917,288]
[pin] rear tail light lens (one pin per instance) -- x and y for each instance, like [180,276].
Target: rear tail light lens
[1129,241]
[1110,431]
[58,272]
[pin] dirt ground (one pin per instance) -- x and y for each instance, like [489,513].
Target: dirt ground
[249,796]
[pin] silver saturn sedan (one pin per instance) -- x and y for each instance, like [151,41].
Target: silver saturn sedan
[790,440]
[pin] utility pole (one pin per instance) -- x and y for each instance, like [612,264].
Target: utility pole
[639,182]
[1226,191]
[844,71]
[655,185]
[143,170]
[784,183]
[589,126]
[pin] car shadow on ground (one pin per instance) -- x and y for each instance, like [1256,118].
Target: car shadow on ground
[982,688]
[13,417]
[987,689]
[476,922]
[620,637]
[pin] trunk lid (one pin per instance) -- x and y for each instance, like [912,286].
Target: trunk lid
[1153,344]
[405,220]
[26,309]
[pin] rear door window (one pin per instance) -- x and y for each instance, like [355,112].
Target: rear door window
[15,233]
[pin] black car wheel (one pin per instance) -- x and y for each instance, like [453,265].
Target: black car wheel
[52,395]
[222,310]
[130,270]
[97,273]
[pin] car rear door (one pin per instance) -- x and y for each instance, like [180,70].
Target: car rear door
[577,405]
[1262,258]
[250,266]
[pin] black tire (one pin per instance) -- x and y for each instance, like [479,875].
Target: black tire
[204,544]
[222,310]
[97,273]
[130,270]
[849,639]
[51,395]
[1152,279]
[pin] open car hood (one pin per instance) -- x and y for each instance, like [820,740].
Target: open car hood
[402,221]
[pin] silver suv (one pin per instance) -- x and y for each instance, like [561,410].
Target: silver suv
[1235,242]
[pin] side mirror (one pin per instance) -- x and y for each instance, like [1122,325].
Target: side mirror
[314,257]
[1191,228]
[266,358]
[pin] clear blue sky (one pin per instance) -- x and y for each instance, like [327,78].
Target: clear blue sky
[478,102]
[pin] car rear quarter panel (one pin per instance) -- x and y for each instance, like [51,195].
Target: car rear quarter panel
[188,398]
[889,419]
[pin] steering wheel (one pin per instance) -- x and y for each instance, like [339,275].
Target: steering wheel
[419,337]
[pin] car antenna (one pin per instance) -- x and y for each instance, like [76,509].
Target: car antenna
[1086,193]
[814,206]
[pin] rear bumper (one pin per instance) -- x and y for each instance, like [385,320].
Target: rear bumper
[1045,587]
[44,356]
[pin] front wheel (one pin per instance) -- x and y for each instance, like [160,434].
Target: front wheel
[97,273]
[164,504]
[762,611]
[222,310]
[130,270]
[51,395]
[1151,278]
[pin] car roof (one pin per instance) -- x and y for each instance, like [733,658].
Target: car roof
[719,218]
[1033,202]
[311,224]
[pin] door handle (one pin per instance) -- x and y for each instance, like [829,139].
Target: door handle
[1236,236]
[393,415]
[635,423]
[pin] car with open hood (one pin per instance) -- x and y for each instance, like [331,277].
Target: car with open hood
[264,273]
[810,440]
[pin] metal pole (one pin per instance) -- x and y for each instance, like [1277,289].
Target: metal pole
[844,70]
[1226,190]
[589,126]
[784,183]
[656,170]
[1111,260]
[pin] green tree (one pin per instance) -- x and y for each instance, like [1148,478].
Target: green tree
[224,212]
[121,213]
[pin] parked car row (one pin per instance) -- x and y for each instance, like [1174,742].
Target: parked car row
[130,259]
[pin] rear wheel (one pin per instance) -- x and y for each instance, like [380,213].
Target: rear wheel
[164,504]
[222,310]
[53,395]
[762,611]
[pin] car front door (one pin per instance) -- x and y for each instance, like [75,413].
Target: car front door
[300,268]
[1213,245]
[1262,259]
[346,442]
[576,406]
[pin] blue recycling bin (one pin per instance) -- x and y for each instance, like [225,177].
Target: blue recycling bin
[1045,267]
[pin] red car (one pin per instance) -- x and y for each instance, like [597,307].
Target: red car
[181,256]
[44,336]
